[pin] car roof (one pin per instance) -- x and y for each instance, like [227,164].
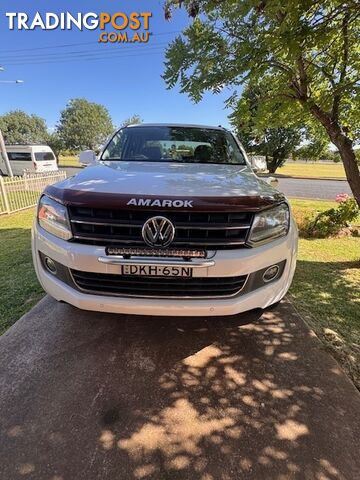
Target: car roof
[21,145]
[212,127]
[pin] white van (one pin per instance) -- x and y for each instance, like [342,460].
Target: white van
[258,162]
[30,158]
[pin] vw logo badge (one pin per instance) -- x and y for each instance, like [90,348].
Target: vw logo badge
[158,232]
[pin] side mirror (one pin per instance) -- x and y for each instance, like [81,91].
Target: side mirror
[87,157]
[274,182]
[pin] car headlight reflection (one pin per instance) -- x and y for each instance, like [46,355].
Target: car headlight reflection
[269,224]
[53,217]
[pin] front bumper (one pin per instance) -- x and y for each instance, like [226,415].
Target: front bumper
[226,263]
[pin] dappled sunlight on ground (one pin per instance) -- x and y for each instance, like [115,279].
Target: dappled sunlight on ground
[215,405]
[120,397]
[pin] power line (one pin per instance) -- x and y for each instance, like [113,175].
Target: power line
[85,59]
[81,59]
[36,56]
[90,55]
[75,44]
[86,55]
[44,48]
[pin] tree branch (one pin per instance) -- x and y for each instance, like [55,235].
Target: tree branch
[344,64]
[303,80]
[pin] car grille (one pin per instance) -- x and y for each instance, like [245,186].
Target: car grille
[215,230]
[138,286]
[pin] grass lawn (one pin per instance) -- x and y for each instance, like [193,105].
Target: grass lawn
[326,287]
[318,170]
[19,289]
[326,292]
[71,161]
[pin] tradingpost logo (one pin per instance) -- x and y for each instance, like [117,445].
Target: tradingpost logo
[126,27]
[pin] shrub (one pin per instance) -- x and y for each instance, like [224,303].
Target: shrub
[331,222]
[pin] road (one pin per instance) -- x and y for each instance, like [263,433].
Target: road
[296,187]
[90,396]
[314,189]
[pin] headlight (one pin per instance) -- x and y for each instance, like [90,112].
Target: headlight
[270,224]
[53,217]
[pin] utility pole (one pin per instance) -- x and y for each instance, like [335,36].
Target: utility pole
[3,151]
[4,154]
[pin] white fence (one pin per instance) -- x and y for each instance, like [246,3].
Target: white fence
[18,193]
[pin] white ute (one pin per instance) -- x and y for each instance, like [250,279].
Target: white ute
[169,220]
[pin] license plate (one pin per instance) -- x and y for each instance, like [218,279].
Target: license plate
[156,271]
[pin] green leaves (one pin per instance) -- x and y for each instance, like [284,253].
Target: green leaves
[19,127]
[306,52]
[198,59]
[259,129]
[84,125]
[330,222]
[133,120]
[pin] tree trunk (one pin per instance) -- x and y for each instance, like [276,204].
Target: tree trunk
[271,164]
[345,147]
[272,169]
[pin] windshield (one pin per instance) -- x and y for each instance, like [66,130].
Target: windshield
[40,156]
[174,144]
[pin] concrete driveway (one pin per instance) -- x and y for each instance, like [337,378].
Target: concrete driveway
[93,396]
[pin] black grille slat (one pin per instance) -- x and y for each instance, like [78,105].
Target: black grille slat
[195,281]
[212,291]
[179,225]
[215,230]
[113,284]
[105,221]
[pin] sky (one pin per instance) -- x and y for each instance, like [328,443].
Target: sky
[126,79]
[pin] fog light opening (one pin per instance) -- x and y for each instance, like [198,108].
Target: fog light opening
[271,273]
[50,265]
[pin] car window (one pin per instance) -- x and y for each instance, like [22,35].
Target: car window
[179,144]
[44,156]
[19,156]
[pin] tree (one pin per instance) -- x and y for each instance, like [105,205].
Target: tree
[312,151]
[55,142]
[305,55]
[19,127]
[277,144]
[84,125]
[133,120]
[334,156]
